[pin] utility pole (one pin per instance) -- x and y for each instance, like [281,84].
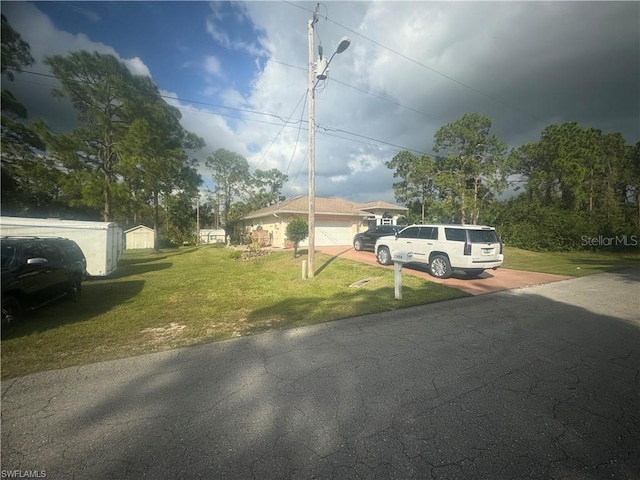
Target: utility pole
[198,219]
[312,160]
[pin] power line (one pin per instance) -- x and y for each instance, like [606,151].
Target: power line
[286,123]
[437,72]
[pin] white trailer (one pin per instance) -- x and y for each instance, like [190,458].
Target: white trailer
[101,242]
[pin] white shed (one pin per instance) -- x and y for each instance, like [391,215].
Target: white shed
[101,242]
[139,237]
[208,235]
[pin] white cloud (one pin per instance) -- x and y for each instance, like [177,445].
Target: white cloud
[137,66]
[212,66]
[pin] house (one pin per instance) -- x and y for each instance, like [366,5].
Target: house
[208,235]
[139,237]
[336,220]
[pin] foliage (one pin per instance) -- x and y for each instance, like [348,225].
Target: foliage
[297,230]
[16,53]
[474,168]
[254,250]
[230,174]
[417,180]
[235,255]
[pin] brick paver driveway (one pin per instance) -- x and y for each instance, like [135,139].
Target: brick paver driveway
[489,281]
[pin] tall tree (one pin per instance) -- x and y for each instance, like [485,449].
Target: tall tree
[16,53]
[153,152]
[231,176]
[474,160]
[106,96]
[416,174]
[265,188]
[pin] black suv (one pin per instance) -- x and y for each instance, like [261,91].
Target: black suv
[36,271]
[367,240]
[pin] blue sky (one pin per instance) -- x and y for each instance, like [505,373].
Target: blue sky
[237,71]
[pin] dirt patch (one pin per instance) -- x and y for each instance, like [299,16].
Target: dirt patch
[164,334]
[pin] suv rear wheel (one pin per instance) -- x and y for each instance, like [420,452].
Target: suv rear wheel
[11,311]
[440,267]
[383,256]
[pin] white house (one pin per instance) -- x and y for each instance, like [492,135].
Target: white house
[139,237]
[336,220]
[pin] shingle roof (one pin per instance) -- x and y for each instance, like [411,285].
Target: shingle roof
[327,206]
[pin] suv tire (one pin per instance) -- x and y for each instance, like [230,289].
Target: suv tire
[75,287]
[357,245]
[384,256]
[440,267]
[11,312]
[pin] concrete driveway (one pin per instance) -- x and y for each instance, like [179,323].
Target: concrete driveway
[489,281]
[540,383]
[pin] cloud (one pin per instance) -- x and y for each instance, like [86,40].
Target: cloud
[137,67]
[212,66]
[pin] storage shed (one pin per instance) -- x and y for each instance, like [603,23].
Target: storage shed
[101,242]
[139,237]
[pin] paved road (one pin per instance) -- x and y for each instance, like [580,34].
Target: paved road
[539,382]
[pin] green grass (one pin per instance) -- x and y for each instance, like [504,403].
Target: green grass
[160,301]
[576,264]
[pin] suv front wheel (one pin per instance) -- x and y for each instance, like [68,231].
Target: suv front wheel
[440,267]
[383,256]
[10,312]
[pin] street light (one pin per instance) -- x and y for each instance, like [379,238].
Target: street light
[323,65]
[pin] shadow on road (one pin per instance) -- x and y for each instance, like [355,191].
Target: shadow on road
[507,385]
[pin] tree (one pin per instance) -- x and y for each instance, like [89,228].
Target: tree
[30,179]
[474,160]
[265,188]
[417,182]
[106,96]
[231,175]
[16,53]
[297,230]
[153,153]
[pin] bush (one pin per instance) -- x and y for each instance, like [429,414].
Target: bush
[297,230]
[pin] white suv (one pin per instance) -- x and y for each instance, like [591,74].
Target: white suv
[471,248]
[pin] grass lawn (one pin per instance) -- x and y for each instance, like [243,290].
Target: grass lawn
[577,264]
[160,301]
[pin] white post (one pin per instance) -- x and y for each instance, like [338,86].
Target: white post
[397,277]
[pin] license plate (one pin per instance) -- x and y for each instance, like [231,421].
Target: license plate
[487,251]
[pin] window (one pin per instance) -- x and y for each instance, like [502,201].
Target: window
[483,236]
[409,233]
[455,234]
[8,255]
[51,253]
[429,233]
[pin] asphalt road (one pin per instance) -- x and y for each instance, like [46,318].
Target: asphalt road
[539,382]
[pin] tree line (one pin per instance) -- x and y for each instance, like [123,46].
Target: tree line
[127,160]
[573,183]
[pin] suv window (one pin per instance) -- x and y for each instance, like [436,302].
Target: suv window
[455,234]
[411,232]
[8,255]
[483,236]
[32,250]
[429,233]
[51,253]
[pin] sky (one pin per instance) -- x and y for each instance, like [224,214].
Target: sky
[238,72]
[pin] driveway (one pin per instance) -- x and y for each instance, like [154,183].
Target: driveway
[540,383]
[489,281]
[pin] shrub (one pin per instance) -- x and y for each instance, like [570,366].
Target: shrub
[297,230]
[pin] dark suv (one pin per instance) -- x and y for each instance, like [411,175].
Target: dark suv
[367,240]
[36,271]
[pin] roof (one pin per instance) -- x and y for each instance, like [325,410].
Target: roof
[54,222]
[326,206]
[139,227]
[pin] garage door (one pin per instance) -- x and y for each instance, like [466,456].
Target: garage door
[332,232]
